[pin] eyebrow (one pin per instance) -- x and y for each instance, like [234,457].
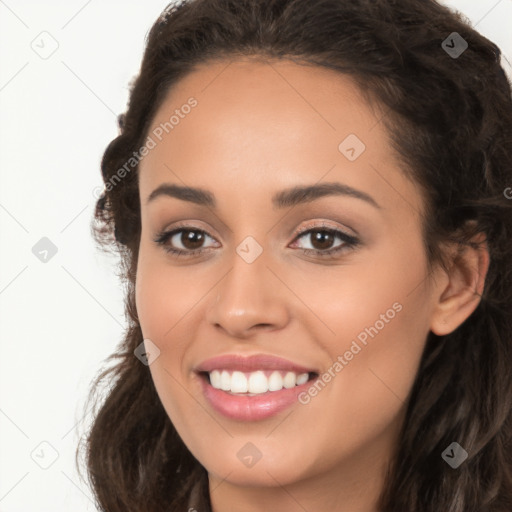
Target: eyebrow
[283,199]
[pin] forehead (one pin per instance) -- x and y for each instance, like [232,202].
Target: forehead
[264,125]
[264,97]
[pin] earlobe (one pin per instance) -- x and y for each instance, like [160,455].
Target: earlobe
[457,300]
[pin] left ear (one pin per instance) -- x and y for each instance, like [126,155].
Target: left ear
[462,293]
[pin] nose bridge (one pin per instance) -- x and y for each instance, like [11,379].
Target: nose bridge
[249,273]
[249,294]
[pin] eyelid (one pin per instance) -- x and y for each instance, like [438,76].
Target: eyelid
[324,225]
[168,233]
[312,225]
[185,225]
[349,241]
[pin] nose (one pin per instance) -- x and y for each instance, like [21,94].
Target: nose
[248,299]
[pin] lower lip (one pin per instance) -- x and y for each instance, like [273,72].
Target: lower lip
[251,408]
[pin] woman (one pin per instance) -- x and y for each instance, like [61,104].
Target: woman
[310,203]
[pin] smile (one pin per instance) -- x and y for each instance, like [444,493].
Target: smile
[257,382]
[252,388]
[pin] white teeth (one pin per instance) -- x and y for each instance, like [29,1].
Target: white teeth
[238,383]
[225,381]
[302,378]
[289,381]
[258,383]
[275,382]
[255,382]
[216,379]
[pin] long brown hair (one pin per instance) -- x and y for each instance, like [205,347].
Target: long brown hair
[450,120]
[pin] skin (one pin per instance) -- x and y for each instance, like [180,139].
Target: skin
[258,128]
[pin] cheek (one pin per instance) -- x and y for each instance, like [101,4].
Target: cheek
[372,384]
[163,298]
[375,321]
[380,294]
[165,295]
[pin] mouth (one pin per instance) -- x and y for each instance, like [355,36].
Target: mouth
[252,388]
[255,383]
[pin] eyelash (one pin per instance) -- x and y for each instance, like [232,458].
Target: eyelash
[350,242]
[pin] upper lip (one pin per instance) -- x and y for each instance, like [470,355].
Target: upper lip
[251,363]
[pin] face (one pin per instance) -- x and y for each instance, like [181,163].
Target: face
[327,285]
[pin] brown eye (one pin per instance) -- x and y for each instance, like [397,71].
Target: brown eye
[189,241]
[191,238]
[321,239]
[183,241]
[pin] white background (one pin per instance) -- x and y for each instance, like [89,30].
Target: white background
[62,318]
